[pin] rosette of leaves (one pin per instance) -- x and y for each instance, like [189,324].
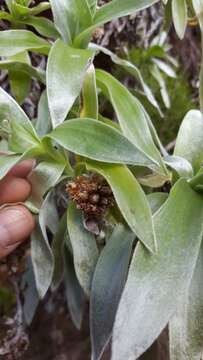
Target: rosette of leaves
[148,266]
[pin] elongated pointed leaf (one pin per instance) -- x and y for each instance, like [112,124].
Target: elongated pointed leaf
[179,12]
[15,41]
[186,327]
[58,244]
[130,199]
[98,141]
[23,68]
[156,200]
[189,143]
[10,110]
[180,165]
[74,294]
[43,123]
[85,252]
[131,69]
[89,95]
[42,256]
[44,176]
[65,73]
[20,82]
[107,286]
[30,295]
[114,9]
[198,6]
[65,18]
[130,115]
[157,282]
[43,26]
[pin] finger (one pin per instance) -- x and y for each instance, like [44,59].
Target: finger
[13,190]
[23,169]
[16,224]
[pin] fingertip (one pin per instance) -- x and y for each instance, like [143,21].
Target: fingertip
[16,224]
[23,169]
[13,190]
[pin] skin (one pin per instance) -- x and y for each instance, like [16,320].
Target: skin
[16,222]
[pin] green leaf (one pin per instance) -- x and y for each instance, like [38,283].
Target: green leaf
[131,116]
[20,82]
[130,199]
[117,8]
[30,295]
[180,165]
[186,327]
[114,9]
[13,42]
[156,73]
[23,11]
[83,14]
[22,135]
[165,68]
[74,294]
[65,73]
[92,5]
[24,69]
[107,286]
[44,176]
[85,252]
[131,69]
[44,27]
[179,12]
[156,200]
[198,7]
[43,123]
[89,95]
[98,141]
[189,144]
[64,18]
[157,282]
[58,243]
[42,256]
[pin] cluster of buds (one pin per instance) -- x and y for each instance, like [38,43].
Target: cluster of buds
[91,194]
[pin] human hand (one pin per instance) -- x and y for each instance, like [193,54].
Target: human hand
[16,222]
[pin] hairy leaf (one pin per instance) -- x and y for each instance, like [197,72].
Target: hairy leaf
[13,42]
[157,282]
[130,115]
[98,141]
[189,144]
[85,252]
[65,73]
[107,286]
[186,327]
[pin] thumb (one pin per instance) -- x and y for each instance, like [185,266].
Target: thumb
[16,224]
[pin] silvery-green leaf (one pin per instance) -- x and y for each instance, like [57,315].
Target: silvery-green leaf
[66,69]
[157,282]
[107,286]
[42,256]
[13,42]
[85,252]
[189,144]
[74,294]
[131,116]
[186,327]
[179,12]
